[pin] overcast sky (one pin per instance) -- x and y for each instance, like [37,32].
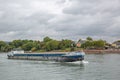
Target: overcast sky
[59,19]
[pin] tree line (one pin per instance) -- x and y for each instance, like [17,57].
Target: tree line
[49,44]
[93,44]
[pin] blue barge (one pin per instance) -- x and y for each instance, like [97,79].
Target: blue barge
[61,57]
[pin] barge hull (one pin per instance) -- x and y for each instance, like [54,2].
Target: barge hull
[46,57]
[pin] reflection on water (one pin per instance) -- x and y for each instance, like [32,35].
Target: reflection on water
[96,67]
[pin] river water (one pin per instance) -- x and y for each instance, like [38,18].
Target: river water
[95,67]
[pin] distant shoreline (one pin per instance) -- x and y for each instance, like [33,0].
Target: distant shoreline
[94,51]
[87,51]
[108,51]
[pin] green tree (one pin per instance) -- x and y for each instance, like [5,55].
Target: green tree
[4,47]
[28,46]
[52,45]
[33,49]
[37,45]
[17,43]
[87,45]
[99,44]
[2,44]
[46,39]
[65,44]
[89,39]
[94,44]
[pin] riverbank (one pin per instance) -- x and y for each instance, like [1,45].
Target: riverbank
[107,51]
[90,51]
[87,51]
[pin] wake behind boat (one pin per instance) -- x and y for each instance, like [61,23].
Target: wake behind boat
[61,57]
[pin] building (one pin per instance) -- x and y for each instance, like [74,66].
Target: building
[116,44]
[80,41]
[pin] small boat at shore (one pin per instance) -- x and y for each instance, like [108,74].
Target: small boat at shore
[60,57]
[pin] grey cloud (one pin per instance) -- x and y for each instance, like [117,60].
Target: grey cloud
[101,12]
[81,18]
[19,18]
[92,7]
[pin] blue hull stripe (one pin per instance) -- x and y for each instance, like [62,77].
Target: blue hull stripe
[47,55]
